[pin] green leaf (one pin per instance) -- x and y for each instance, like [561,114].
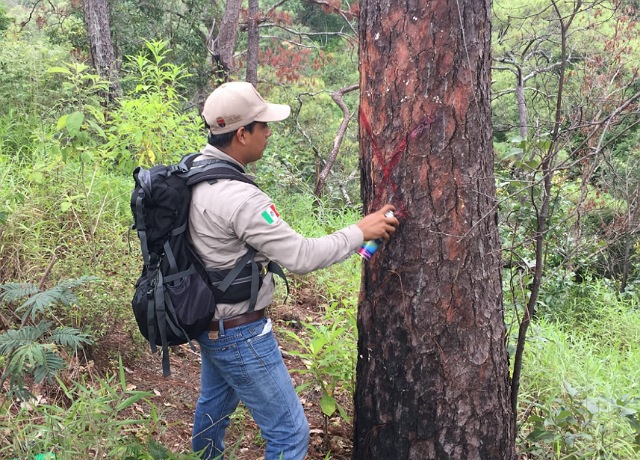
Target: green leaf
[137,396]
[51,364]
[15,291]
[63,70]
[70,337]
[74,122]
[343,413]
[62,122]
[592,406]
[328,405]
[37,177]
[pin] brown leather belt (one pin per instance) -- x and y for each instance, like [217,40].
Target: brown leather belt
[238,320]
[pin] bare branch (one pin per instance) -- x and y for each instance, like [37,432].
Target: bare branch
[337,97]
[31,13]
[341,12]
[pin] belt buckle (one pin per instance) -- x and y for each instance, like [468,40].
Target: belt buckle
[213,335]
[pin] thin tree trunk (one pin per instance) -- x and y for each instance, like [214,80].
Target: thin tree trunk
[222,46]
[522,107]
[96,18]
[253,43]
[542,209]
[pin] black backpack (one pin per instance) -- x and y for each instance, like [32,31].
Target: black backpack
[175,296]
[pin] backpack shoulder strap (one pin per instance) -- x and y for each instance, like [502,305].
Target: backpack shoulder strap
[214,169]
[211,170]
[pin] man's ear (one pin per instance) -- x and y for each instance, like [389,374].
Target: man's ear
[240,135]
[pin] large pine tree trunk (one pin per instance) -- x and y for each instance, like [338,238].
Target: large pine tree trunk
[432,375]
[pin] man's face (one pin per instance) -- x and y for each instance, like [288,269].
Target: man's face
[256,141]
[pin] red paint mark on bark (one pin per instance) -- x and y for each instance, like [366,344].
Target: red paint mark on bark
[394,158]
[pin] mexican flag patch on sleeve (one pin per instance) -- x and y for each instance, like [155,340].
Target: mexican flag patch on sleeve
[270,214]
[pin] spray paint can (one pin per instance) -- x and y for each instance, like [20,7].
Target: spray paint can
[369,247]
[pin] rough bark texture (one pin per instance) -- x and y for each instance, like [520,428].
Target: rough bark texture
[432,375]
[225,43]
[253,42]
[221,42]
[96,18]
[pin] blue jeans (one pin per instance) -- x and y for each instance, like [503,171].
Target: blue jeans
[245,364]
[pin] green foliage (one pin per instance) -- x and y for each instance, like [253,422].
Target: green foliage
[102,418]
[180,24]
[23,88]
[318,20]
[327,350]
[80,125]
[5,21]
[579,395]
[149,127]
[571,426]
[35,350]
[37,302]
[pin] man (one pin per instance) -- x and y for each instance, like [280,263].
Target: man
[240,356]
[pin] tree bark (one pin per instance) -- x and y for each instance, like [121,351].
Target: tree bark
[96,18]
[432,373]
[253,42]
[223,45]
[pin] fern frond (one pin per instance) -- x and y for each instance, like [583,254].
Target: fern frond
[37,303]
[13,339]
[74,283]
[50,365]
[25,358]
[59,294]
[10,292]
[70,337]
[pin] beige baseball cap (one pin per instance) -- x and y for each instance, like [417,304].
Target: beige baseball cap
[236,104]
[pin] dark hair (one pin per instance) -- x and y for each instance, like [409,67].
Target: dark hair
[222,140]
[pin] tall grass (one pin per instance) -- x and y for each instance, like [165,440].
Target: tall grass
[580,394]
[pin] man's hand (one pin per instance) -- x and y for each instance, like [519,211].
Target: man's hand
[377,225]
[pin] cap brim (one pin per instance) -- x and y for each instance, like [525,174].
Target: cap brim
[274,112]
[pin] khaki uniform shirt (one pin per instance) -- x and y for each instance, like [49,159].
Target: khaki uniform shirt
[228,215]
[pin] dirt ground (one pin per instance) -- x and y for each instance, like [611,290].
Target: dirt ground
[175,396]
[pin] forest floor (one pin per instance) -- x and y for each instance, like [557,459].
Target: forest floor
[175,396]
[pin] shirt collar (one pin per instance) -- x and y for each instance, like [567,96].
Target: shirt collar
[210,151]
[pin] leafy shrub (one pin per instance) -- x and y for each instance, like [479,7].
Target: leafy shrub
[578,396]
[5,21]
[24,86]
[576,426]
[149,127]
[328,351]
